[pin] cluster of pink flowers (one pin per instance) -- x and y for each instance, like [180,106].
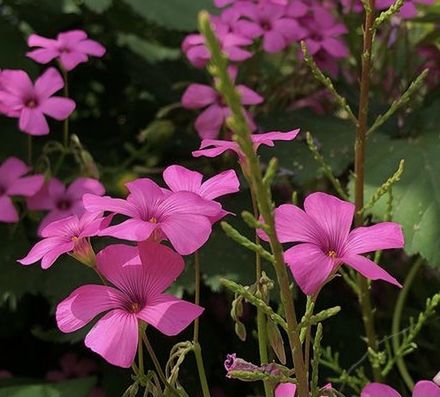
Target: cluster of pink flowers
[408,10]
[32,102]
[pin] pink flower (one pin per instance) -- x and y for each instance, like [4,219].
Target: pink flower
[424,388]
[13,182]
[139,277]
[62,202]
[323,231]
[182,217]
[215,147]
[68,235]
[289,389]
[215,113]
[270,22]
[30,103]
[71,48]
[408,9]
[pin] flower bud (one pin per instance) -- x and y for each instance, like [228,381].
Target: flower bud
[276,341]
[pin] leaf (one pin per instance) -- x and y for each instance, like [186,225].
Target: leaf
[173,14]
[69,388]
[334,138]
[98,6]
[416,197]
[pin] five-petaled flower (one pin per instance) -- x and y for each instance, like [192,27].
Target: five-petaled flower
[139,276]
[13,182]
[323,231]
[70,48]
[62,201]
[423,388]
[182,217]
[30,103]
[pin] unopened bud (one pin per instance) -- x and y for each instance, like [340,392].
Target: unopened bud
[276,341]
[240,330]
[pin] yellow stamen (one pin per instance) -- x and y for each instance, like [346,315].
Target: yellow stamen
[331,254]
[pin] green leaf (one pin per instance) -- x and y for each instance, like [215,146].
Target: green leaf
[98,6]
[416,197]
[173,14]
[69,388]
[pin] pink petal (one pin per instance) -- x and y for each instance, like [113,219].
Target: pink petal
[44,198]
[187,232]
[248,28]
[8,213]
[369,269]
[248,96]
[379,390]
[34,40]
[273,41]
[82,185]
[198,96]
[170,315]
[90,47]
[145,195]
[33,122]
[48,83]
[58,108]
[382,236]
[298,9]
[42,248]
[179,179]
[289,28]
[187,203]
[426,388]
[72,59]
[42,55]
[72,36]
[17,82]
[198,56]
[11,170]
[94,203]
[131,229]
[161,264]
[209,122]
[26,186]
[65,227]
[334,216]
[51,217]
[310,266]
[115,337]
[218,148]
[51,256]
[335,47]
[408,10]
[268,138]
[84,304]
[285,390]
[219,185]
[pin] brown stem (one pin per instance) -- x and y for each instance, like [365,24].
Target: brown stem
[359,169]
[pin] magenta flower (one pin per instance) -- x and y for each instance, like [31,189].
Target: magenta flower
[13,182]
[70,48]
[30,103]
[62,202]
[408,9]
[216,147]
[68,235]
[289,389]
[139,276]
[270,22]
[215,113]
[424,388]
[323,231]
[182,217]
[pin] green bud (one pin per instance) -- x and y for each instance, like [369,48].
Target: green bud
[276,341]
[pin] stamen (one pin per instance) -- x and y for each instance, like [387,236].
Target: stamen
[135,307]
[331,254]
[153,220]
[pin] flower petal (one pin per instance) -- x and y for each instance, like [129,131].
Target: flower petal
[170,315]
[333,215]
[379,390]
[48,83]
[43,55]
[198,96]
[426,388]
[94,203]
[273,41]
[382,236]
[72,59]
[82,185]
[209,122]
[131,229]
[17,82]
[90,47]
[43,248]
[218,148]
[10,170]
[369,269]
[248,96]
[8,213]
[58,108]
[84,304]
[180,179]
[26,186]
[115,337]
[310,266]
[145,195]
[33,122]
[285,390]
[219,185]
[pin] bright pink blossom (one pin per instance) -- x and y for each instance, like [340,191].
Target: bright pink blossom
[62,202]
[67,235]
[13,182]
[139,276]
[289,389]
[182,217]
[216,147]
[70,48]
[215,113]
[423,388]
[323,231]
[181,179]
[31,103]
[408,9]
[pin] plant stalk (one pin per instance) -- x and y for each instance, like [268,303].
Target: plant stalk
[66,121]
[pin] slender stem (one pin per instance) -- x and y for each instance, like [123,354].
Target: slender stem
[360,144]
[157,365]
[197,348]
[66,121]
[397,317]
[140,352]
[29,150]
[261,317]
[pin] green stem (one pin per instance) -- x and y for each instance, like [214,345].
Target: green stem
[360,146]
[197,348]
[140,353]
[29,150]
[397,317]
[157,365]
[66,121]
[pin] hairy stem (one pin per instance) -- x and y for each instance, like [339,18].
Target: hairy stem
[360,145]
[397,317]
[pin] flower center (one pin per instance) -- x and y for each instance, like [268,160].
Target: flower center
[153,220]
[2,190]
[266,25]
[331,254]
[64,50]
[134,307]
[31,103]
[64,205]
